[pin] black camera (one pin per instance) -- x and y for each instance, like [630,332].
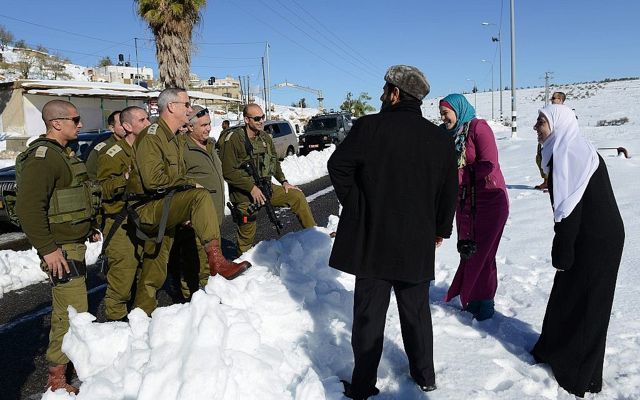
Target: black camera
[467,248]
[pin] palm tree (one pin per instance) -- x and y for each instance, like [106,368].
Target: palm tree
[171,22]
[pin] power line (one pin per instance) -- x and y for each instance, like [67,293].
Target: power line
[336,36]
[333,42]
[62,30]
[311,37]
[301,46]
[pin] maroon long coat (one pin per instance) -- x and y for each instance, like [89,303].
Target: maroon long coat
[476,278]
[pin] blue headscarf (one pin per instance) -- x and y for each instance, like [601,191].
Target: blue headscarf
[463,109]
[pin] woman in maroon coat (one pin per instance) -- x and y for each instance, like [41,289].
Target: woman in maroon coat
[483,206]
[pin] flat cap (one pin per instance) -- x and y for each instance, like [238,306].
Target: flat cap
[409,79]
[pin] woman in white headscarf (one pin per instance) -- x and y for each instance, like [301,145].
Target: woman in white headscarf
[586,251]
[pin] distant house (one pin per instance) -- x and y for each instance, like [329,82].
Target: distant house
[21,102]
[121,74]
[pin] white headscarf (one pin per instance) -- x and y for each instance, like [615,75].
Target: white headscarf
[574,159]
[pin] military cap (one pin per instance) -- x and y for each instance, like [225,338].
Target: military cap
[409,79]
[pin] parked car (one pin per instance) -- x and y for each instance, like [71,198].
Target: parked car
[324,130]
[284,137]
[82,146]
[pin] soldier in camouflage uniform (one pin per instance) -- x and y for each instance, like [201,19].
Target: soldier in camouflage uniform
[160,165]
[251,142]
[55,208]
[123,250]
[115,126]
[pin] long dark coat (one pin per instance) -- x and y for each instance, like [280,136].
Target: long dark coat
[587,247]
[396,176]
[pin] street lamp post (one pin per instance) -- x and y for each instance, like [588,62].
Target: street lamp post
[475,93]
[499,41]
[492,107]
[514,123]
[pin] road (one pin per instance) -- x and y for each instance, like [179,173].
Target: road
[25,314]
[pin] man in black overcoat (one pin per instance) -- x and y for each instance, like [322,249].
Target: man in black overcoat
[396,176]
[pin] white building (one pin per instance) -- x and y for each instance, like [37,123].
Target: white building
[120,74]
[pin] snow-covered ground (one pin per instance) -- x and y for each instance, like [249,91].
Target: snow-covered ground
[282,330]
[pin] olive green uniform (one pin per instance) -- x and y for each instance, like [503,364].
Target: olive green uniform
[187,254]
[100,148]
[54,213]
[123,250]
[159,162]
[233,153]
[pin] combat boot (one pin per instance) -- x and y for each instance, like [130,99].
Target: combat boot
[220,265]
[57,379]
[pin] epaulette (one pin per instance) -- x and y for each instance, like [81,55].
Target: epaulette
[226,138]
[113,150]
[152,129]
[99,146]
[41,152]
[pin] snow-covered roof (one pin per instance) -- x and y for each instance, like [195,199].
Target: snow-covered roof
[81,85]
[93,92]
[194,94]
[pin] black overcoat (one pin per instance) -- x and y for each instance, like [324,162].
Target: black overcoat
[396,177]
[587,248]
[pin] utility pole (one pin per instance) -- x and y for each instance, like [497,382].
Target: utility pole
[498,40]
[514,121]
[547,78]
[492,107]
[135,41]
[475,93]
[264,89]
[268,100]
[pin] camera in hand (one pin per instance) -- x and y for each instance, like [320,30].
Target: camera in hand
[467,248]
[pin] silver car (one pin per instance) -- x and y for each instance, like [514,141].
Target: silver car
[284,137]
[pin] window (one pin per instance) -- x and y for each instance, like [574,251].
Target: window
[285,129]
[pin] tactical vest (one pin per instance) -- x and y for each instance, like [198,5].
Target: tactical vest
[262,157]
[78,202]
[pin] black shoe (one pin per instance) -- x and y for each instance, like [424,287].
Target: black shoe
[428,388]
[348,392]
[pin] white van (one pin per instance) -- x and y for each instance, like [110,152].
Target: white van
[284,137]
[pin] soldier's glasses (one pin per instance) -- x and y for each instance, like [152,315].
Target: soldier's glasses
[202,112]
[186,104]
[257,118]
[76,119]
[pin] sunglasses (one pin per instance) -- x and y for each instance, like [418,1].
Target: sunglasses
[76,119]
[257,118]
[186,104]
[202,112]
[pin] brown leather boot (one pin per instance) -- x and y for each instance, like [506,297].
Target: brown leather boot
[58,380]
[220,265]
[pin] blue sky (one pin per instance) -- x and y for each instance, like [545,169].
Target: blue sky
[347,45]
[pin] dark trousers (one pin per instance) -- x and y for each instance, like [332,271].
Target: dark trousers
[369,315]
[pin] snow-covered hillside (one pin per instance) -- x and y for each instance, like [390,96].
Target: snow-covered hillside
[13,55]
[282,330]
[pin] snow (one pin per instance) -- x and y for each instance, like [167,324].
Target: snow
[282,330]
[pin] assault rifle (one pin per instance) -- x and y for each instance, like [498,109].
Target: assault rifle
[264,184]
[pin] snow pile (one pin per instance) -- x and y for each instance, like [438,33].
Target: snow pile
[267,334]
[304,169]
[19,269]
